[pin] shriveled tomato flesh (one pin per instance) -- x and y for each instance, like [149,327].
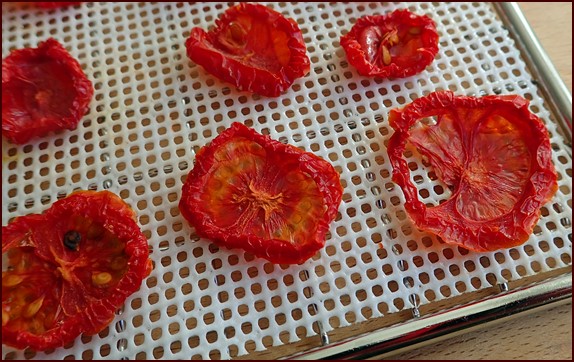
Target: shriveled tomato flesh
[251,190]
[252,46]
[498,155]
[44,90]
[397,44]
[30,293]
[253,40]
[73,278]
[41,89]
[392,42]
[66,271]
[491,152]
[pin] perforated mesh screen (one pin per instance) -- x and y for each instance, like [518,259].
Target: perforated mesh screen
[153,109]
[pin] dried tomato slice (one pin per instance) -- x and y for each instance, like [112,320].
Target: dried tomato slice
[249,191]
[394,45]
[492,153]
[43,89]
[66,271]
[253,47]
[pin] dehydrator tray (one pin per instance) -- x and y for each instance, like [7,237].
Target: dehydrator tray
[379,283]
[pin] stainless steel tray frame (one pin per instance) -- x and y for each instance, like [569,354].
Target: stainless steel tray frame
[466,318]
[423,330]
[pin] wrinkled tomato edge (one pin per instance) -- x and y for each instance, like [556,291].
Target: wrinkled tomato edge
[110,210]
[274,250]
[357,57]
[512,229]
[83,88]
[201,50]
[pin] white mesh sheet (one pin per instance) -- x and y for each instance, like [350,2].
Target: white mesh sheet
[153,109]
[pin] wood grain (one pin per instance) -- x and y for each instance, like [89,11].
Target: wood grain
[552,24]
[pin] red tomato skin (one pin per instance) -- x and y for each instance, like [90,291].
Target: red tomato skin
[204,49]
[358,56]
[275,250]
[101,206]
[20,127]
[55,4]
[506,231]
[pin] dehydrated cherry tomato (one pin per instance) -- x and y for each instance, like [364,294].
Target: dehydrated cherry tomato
[66,271]
[43,89]
[249,191]
[394,45]
[492,153]
[253,47]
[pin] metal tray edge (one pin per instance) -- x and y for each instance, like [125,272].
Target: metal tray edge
[547,77]
[465,318]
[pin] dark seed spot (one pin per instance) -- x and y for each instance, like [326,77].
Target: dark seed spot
[72,239]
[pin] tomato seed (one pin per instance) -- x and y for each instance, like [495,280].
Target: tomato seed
[33,307]
[72,239]
[386,55]
[5,318]
[11,280]
[237,32]
[101,278]
[297,218]
[393,39]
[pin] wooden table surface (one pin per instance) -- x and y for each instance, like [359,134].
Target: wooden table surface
[541,335]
